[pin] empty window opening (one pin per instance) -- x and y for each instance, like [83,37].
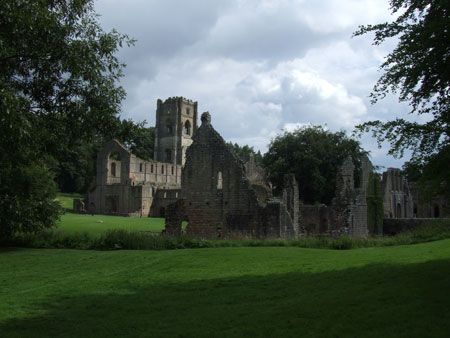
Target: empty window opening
[436,211]
[151,168]
[162,169]
[172,170]
[169,127]
[399,210]
[219,180]
[140,167]
[113,169]
[162,212]
[187,128]
[188,111]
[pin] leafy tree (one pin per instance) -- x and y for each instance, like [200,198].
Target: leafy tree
[142,144]
[418,70]
[244,152]
[58,86]
[314,155]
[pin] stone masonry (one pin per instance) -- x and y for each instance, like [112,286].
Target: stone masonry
[218,198]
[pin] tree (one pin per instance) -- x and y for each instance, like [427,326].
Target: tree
[244,152]
[418,69]
[58,86]
[142,144]
[314,155]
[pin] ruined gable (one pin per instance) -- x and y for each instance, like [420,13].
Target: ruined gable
[218,197]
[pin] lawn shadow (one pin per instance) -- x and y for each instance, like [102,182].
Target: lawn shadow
[372,301]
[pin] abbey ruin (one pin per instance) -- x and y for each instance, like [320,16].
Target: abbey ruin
[195,177]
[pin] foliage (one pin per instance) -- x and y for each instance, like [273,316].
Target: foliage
[142,143]
[58,87]
[244,152]
[418,70]
[314,155]
[375,205]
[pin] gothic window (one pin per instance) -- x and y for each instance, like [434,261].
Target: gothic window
[169,127]
[188,111]
[113,169]
[187,128]
[168,155]
[219,180]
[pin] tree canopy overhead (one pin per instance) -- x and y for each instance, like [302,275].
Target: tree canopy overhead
[418,70]
[315,156]
[58,85]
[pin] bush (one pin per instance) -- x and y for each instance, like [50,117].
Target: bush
[134,240]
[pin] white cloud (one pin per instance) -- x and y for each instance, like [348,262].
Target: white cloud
[259,66]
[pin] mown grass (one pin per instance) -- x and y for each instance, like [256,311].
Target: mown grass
[97,224]
[396,292]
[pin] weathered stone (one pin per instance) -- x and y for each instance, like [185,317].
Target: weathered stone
[220,200]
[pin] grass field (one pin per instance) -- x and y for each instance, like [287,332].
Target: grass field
[98,224]
[400,291]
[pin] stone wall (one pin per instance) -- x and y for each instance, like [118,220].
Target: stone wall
[220,200]
[397,198]
[393,226]
[127,185]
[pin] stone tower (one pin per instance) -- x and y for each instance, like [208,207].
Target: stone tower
[176,122]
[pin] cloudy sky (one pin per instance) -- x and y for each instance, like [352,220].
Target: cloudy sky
[258,66]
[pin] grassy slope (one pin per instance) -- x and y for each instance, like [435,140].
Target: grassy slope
[227,292]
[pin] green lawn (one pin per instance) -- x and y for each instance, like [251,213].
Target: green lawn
[400,291]
[97,224]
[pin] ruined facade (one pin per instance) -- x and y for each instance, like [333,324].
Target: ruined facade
[438,207]
[129,186]
[348,213]
[195,177]
[398,202]
[220,199]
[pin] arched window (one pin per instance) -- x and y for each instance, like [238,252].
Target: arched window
[188,111]
[399,210]
[168,155]
[169,127]
[219,180]
[187,128]
[113,169]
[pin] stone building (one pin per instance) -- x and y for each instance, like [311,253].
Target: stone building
[438,207]
[196,177]
[348,213]
[220,198]
[129,186]
[397,198]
